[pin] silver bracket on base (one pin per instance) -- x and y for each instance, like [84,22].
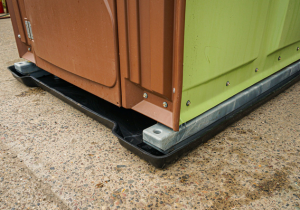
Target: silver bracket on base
[28,68]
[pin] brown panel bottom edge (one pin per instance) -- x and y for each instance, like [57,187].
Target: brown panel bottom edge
[29,56]
[111,95]
[157,113]
[151,106]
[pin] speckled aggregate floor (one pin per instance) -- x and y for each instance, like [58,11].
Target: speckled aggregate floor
[55,157]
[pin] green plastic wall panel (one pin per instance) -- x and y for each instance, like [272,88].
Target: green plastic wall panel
[227,40]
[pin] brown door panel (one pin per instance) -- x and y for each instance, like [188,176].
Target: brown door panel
[77,43]
[80,39]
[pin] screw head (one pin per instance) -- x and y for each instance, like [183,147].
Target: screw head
[298,48]
[165,104]
[29,49]
[188,103]
[19,36]
[256,70]
[145,95]
[279,58]
[227,83]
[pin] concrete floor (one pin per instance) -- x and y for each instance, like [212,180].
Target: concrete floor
[54,157]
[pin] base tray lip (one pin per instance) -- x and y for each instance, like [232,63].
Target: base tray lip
[193,141]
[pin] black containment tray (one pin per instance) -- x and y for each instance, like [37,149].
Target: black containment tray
[128,125]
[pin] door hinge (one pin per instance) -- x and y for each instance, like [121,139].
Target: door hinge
[29,31]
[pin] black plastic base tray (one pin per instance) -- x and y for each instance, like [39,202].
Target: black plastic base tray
[128,125]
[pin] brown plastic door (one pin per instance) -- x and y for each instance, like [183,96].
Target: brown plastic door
[76,36]
[80,42]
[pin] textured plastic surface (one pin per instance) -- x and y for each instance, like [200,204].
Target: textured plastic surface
[227,40]
[163,138]
[128,125]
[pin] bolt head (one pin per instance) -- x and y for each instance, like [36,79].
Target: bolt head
[279,58]
[298,48]
[227,83]
[165,104]
[256,70]
[19,36]
[145,95]
[188,103]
